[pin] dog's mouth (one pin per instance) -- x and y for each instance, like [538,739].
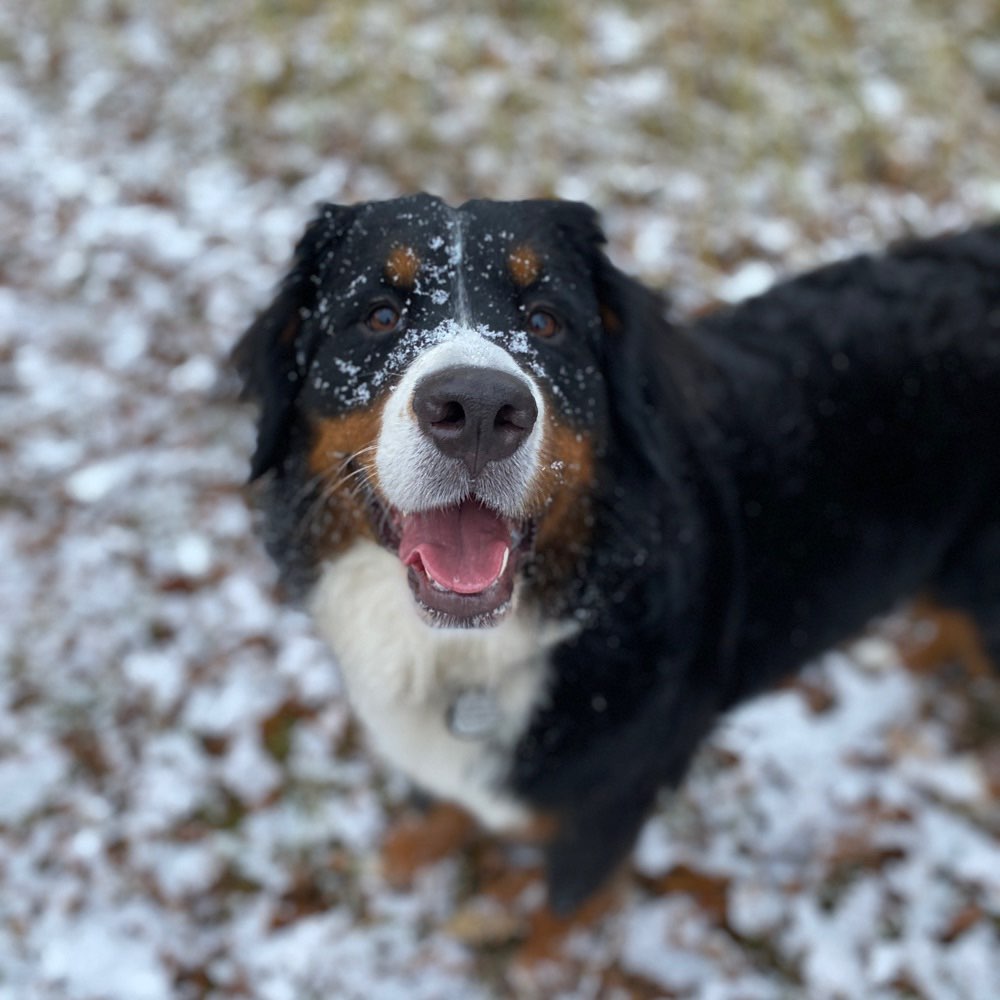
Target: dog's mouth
[462,562]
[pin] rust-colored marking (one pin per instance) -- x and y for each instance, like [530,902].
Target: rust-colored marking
[402,265]
[525,265]
[562,496]
[342,457]
[335,439]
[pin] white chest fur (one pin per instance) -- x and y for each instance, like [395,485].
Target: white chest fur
[404,678]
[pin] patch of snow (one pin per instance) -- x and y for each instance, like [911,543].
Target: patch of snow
[28,777]
[751,278]
[883,98]
[198,374]
[159,674]
[248,771]
[95,481]
[109,955]
[618,38]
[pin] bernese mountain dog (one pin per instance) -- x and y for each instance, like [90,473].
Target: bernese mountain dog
[550,535]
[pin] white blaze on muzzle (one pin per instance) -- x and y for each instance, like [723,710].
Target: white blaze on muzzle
[416,475]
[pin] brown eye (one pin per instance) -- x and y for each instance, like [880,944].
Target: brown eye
[383,319]
[542,323]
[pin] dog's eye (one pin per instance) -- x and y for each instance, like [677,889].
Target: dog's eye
[383,319]
[542,323]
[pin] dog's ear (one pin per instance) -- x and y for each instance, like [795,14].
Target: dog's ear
[631,313]
[275,353]
[635,350]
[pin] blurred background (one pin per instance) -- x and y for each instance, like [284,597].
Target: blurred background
[186,810]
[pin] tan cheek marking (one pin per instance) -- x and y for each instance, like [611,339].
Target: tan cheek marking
[565,485]
[525,265]
[341,447]
[401,266]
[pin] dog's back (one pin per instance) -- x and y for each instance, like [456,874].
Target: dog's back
[861,415]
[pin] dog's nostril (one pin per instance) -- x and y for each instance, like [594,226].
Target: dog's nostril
[452,415]
[510,418]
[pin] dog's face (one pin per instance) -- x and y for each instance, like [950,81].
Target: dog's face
[431,379]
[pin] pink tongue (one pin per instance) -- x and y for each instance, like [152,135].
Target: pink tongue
[461,548]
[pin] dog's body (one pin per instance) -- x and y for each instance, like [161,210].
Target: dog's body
[550,537]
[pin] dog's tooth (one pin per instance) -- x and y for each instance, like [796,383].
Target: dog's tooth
[506,559]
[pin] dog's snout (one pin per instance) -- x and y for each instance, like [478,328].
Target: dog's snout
[478,415]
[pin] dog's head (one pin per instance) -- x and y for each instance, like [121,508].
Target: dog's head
[436,380]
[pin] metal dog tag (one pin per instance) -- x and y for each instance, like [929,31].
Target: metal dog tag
[473,715]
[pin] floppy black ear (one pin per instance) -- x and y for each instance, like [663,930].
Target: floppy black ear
[636,348]
[636,335]
[633,315]
[275,353]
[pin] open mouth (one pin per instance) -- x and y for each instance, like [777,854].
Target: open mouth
[462,562]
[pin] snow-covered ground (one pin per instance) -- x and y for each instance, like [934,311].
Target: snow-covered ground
[185,809]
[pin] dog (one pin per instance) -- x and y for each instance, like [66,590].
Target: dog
[552,536]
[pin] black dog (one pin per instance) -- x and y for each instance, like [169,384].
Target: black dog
[551,537]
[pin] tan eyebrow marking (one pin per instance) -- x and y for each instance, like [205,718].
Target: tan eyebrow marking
[524,265]
[402,265]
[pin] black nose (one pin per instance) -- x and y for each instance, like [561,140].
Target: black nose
[476,414]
